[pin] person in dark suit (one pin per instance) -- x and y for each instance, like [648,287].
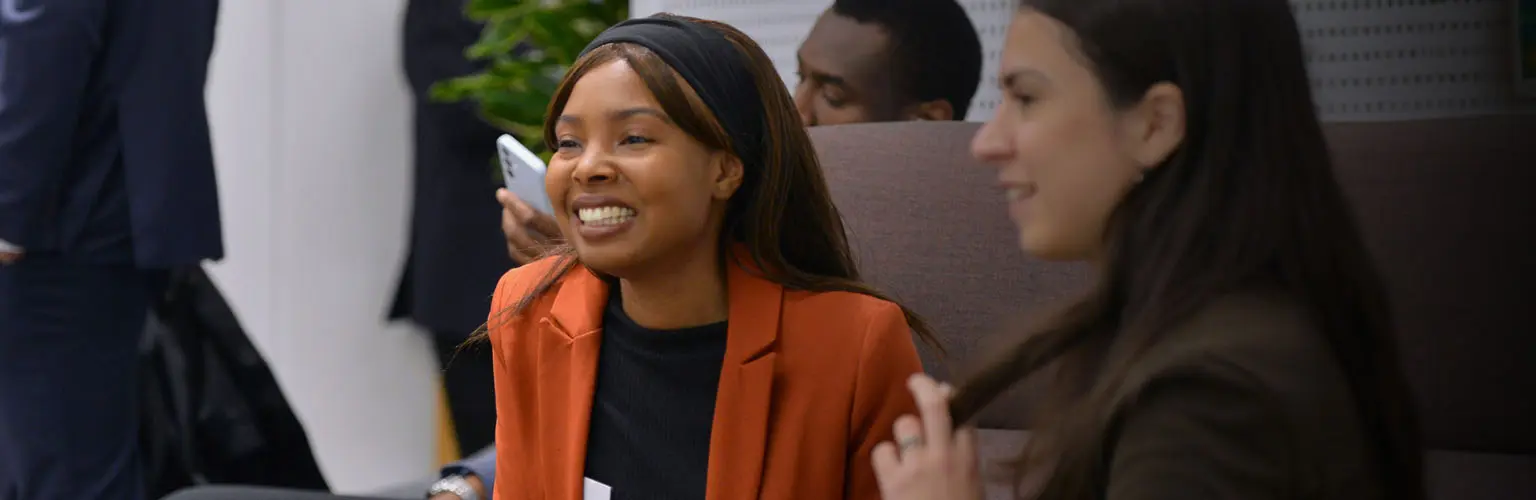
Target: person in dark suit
[456,251]
[106,183]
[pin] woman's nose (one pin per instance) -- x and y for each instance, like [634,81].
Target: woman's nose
[991,145]
[594,167]
[804,104]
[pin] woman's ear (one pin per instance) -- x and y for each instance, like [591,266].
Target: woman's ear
[728,178]
[1157,125]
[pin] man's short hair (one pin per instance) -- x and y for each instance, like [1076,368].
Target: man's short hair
[934,49]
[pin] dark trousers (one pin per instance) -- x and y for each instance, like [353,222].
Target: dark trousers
[469,382]
[69,333]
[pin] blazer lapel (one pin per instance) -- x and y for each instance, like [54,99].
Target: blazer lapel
[567,368]
[739,436]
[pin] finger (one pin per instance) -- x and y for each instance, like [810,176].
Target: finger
[520,245]
[969,463]
[885,460]
[527,248]
[543,223]
[933,407]
[509,224]
[518,255]
[523,211]
[528,217]
[534,221]
[908,433]
[965,447]
[507,199]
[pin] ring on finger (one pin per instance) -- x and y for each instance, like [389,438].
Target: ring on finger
[909,443]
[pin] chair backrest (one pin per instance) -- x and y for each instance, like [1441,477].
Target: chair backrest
[1445,206]
[930,227]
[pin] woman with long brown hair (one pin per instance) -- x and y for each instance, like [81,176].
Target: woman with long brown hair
[704,334]
[1238,342]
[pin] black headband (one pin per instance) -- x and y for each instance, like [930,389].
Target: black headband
[710,64]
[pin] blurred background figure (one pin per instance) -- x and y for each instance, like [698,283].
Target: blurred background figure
[456,254]
[106,183]
[888,60]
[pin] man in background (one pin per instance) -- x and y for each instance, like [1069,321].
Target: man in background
[106,183]
[888,60]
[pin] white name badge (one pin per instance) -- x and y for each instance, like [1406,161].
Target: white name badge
[593,490]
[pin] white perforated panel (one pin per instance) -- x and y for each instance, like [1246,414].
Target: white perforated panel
[1376,60]
[1371,60]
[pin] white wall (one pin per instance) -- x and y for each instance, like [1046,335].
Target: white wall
[311,133]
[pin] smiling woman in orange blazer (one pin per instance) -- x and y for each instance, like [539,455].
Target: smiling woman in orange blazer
[701,332]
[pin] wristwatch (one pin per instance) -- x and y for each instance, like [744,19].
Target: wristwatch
[454,484]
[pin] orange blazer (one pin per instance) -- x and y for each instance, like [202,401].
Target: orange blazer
[810,383]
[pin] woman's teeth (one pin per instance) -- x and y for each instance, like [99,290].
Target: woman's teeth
[605,216]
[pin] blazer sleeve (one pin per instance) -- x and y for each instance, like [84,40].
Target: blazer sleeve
[1213,433]
[47,49]
[887,357]
[513,472]
[506,384]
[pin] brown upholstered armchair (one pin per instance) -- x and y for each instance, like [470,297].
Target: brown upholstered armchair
[1447,206]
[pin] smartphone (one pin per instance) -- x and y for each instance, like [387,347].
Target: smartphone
[524,173]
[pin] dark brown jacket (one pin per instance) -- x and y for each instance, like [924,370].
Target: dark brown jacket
[1245,401]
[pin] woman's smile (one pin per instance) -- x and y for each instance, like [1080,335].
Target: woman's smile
[600,218]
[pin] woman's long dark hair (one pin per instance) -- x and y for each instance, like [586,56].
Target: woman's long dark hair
[783,211]
[1248,201]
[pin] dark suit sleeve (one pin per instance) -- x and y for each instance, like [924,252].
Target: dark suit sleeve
[47,48]
[1214,434]
[482,464]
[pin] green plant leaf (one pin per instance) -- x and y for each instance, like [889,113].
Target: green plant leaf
[513,93]
[481,10]
[497,39]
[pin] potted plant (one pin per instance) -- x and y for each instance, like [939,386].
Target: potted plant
[527,45]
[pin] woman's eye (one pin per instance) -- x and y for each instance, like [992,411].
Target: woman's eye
[566,144]
[834,100]
[634,139]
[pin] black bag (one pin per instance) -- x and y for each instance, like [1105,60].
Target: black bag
[211,411]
